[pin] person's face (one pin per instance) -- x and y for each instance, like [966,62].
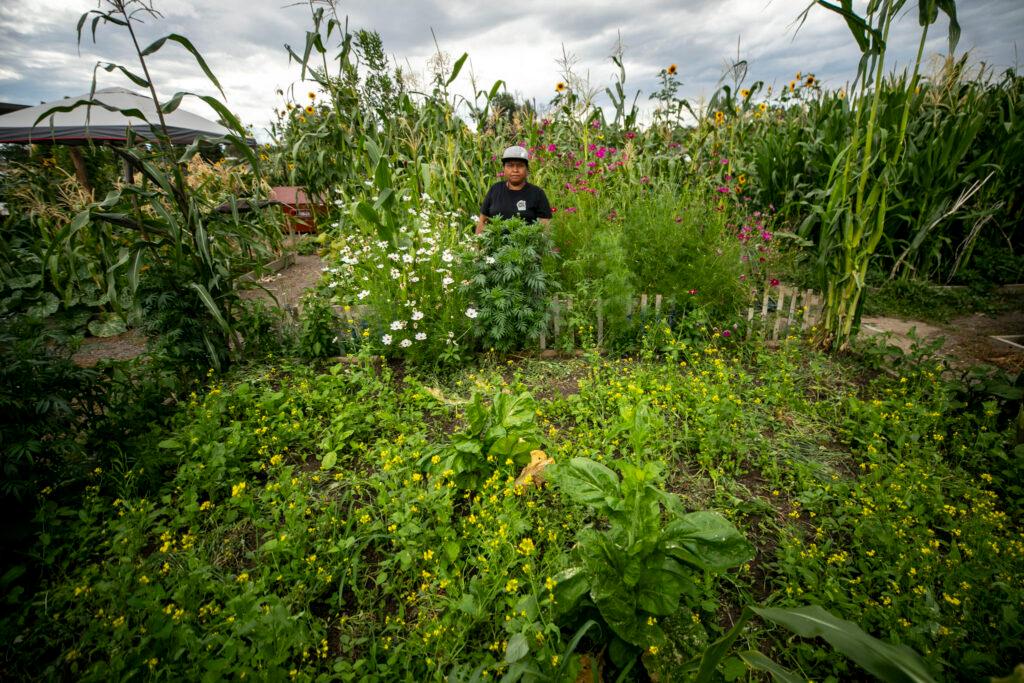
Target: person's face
[515,171]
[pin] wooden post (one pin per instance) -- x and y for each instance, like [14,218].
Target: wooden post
[778,312]
[794,293]
[600,323]
[657,305]
[643,303]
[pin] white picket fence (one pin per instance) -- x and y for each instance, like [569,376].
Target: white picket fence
[782,310]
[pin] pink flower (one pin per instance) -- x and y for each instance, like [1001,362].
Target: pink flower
[726,333]
[600,153]
[692,292]
[552,148]
[630,135]
[679,219]
[722,190]
[595,124]
[774,282]
[554,210]
[570,209]
[724,160]
[591,147]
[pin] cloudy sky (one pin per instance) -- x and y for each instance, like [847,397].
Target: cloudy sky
[518,42]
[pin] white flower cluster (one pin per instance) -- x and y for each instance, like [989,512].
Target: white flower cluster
[408,282]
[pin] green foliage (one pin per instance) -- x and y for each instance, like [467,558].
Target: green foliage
[319,333]
[509,287]
[47,403]
[640,568]
[505,433]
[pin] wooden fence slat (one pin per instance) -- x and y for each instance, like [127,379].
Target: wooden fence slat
[643,303]
[794,295]
[657,304]
[600,324]
[778,312]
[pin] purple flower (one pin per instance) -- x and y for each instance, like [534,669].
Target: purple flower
[726,333]
[552,147]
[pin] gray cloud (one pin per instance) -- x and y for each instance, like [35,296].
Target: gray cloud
[516,42]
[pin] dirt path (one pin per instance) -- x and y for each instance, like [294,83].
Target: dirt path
[290,284]
[967,340]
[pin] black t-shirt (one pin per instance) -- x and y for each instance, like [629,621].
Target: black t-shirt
[528,203]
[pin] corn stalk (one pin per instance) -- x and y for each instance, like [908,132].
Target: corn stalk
[863,175]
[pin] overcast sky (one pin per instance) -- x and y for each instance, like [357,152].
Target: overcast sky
[518,42]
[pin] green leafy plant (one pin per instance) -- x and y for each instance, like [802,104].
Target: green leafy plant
[651,556]
[506,430]
[508,287]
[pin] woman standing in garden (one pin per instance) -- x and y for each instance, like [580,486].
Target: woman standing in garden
[514,196]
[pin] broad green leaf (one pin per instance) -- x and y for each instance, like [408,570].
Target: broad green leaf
[329,460]
[518,647]
[570,585]
[589,483]
[890,663]
[661,583]
[107,325]
[706,540]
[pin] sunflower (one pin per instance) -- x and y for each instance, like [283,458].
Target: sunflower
[310,110]
[799,75]
[560,87]
[302,119]
[312,95]
[744,93]
[763,107]
[290,106]
[810,80]
[671,70]
[719,117]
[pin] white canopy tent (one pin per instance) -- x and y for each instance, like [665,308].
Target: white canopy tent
[100,125]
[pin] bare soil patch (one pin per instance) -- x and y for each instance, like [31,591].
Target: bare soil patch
[967,340]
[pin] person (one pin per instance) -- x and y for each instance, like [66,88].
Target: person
[514,196]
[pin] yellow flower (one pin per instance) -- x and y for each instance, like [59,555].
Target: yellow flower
[512,586]
[653,649]
[560,87]
[310,110]
[671,70]
[237,489]
[526,546]
[744,93]
[243,577]
[719,118]
[312,95]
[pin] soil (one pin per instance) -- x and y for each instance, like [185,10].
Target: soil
[967,340]
[290,284]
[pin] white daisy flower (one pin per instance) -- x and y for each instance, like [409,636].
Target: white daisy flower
[397,325]
[417,315]
[386,339]
[405,343]
[471,312]
[420,336]
[363,294]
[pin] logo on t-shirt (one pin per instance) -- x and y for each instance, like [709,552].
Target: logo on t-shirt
[521,205]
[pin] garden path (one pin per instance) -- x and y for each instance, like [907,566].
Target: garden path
[967,340]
